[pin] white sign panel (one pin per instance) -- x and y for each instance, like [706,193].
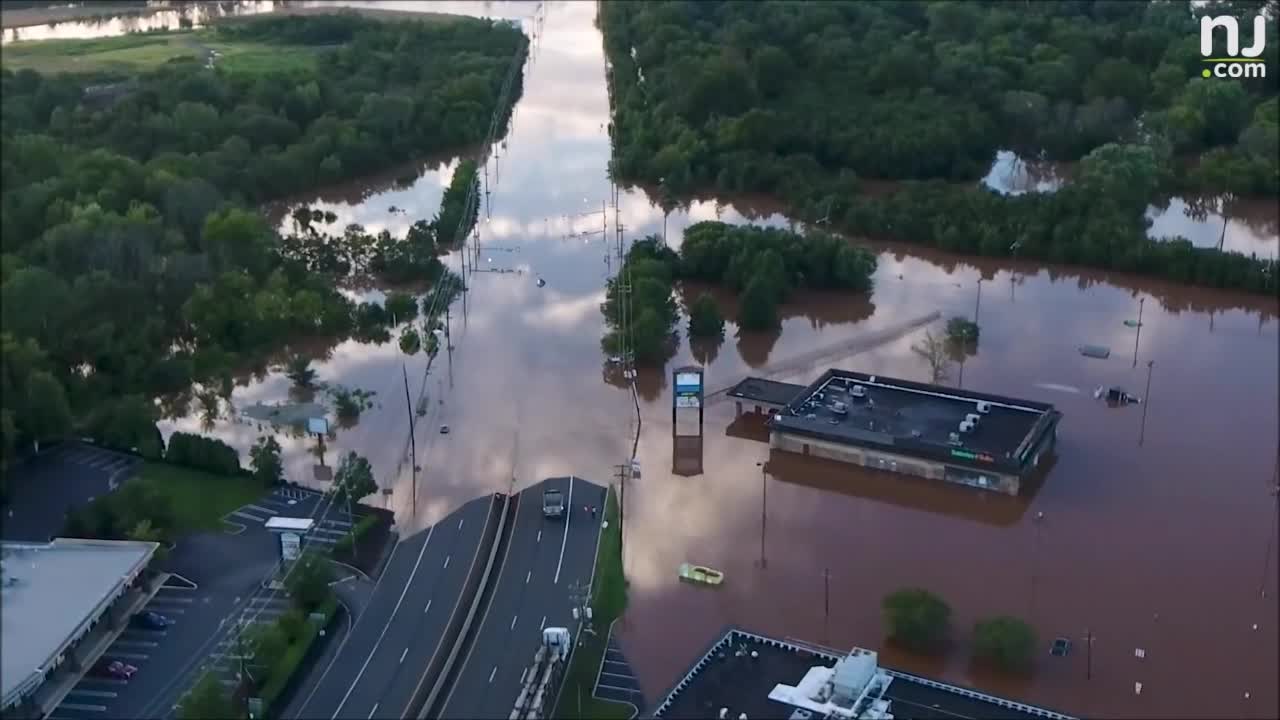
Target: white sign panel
[686,401]
[290,546]
[317,426]
[688,381]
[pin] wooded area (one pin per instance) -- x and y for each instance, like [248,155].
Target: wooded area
[805,100]
[134,260]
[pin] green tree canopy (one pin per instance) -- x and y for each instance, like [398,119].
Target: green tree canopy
[916,618]
[705,320]
[1007,642]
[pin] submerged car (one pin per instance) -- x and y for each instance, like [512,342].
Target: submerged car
[151,620]
[700,574]
[116,669]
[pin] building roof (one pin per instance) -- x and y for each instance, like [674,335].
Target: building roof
[742,670]
[771,392]
[52,594]
[290,523]
[917,418]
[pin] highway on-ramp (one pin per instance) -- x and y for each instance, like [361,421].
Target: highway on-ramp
[544,559]
[375,672]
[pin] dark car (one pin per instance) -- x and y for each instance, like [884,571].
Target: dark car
[151,620]
[115,669]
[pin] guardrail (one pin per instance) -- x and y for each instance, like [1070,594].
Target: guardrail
[507,513]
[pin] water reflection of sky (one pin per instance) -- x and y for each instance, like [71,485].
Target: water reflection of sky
[1176,525]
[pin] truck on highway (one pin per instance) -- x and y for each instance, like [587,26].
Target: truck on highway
[541,680]
[553,505]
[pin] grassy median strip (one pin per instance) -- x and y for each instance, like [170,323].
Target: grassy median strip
[608,601]
[283,672]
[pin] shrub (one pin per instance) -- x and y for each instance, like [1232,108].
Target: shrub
[202,453]
[1006,642]
[916,618]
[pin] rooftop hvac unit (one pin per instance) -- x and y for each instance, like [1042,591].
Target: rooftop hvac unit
[859,391]
[984,407]
[966,426]
[954,438]
[972,418]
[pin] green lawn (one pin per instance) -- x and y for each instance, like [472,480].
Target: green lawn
[199,499]
[609,600]
[138,52]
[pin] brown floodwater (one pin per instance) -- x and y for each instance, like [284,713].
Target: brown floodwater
[1156,517]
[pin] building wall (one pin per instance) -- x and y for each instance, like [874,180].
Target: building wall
[894,462]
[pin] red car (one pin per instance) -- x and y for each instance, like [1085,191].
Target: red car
[116,669]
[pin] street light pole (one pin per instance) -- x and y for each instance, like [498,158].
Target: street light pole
[1088,663]
[978,303]
[826,605]
[1146,402]
[764,505]
[1138,334]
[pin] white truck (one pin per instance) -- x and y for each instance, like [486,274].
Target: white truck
[541,679]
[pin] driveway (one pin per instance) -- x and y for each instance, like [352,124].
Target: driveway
[44,487]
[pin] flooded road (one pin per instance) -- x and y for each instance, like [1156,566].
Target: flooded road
[1154,532]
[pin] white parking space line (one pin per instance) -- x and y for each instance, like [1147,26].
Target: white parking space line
[428,607]
[513,622]
[134,634]
[460,521]
[93,693]
[527,576]
[102,681]
[539,536]
[167,610]
[402,654]
[493,672]
[136,643]
[543,623]
[374,710]
[82,708]
[172,599]
[446,560]
[126,655]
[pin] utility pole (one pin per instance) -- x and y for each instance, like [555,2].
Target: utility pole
[978,303]
[826,606]
[1137,335]
[1088,663]
[1146,403]
[413,442]
[764,504]
[623,471]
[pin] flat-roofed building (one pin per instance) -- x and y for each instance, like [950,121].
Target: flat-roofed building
[54,594]
[978,439]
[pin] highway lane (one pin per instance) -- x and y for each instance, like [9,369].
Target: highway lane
[546,558]
[448,604]
[411,577]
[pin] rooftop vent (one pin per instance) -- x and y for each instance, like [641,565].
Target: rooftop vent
[966,426]
[859,391]
[954,438]
[972,418]
[984,407]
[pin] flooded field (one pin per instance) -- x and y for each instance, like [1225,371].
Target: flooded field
[1156,517]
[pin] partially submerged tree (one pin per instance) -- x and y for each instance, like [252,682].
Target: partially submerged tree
[1006,642]
[354,479]
[705,319]
[264,458]
[299,370]
[934,352]
[916,618]
[308,580]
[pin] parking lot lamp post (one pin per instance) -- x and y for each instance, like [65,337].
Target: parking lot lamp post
[764,505]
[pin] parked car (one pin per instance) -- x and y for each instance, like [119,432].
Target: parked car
[151,620]
[116,669]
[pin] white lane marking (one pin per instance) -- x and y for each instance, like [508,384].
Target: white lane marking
[406,652]
[460,521]
[543,623]
[568,517]
[374,710]
[446,560]
[513,621]
[428,607]
[493,672]
[527,576]
[386,627]
[539,536]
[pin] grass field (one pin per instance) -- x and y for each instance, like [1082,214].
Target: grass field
[139,52]
[608,601]
[199,499]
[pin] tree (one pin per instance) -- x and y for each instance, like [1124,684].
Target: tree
[934,352]
[47,415]
[354,480]
[758,307]
[916,618]
[1006,642]
[705,320]
[962,331]
[208,700]
[299,370]
[308,581]
[264,458]
[1124,174]
[410,342]
[269,644]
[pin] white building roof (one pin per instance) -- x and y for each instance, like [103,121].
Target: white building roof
[289,524]
[52,594]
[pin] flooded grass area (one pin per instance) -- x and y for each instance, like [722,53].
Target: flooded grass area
[1155,519]
[144,51]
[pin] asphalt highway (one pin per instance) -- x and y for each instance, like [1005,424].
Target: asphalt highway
[375,672]
[544,560]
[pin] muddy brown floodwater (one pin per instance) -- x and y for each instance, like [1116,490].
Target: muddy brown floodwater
[1154,534]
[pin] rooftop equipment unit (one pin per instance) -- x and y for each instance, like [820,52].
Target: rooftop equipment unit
[966,426]
[954,438]
[972,418]
[984,407]
[859,391]
[839,408]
